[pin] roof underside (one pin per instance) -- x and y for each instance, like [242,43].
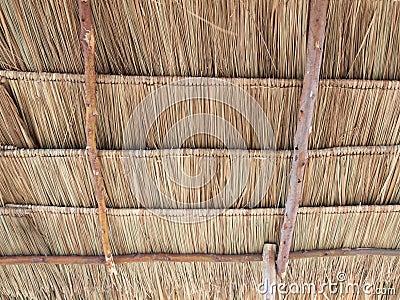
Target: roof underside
[351,195]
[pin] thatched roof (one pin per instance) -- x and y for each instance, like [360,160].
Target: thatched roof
[49,184]
[335,176]
[66,231]
[160,280]
[347,111]
[196,38]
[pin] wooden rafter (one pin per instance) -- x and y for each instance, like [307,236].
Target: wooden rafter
[88,45]
[344,252]
[192,257]
[315,43]
[121,259]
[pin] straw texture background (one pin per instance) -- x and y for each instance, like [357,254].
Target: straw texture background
[47,204]
[187,280]
[341,176]
[251,38]
[347,112]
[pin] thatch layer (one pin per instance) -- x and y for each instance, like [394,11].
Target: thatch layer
[243,38]
[338,176]
[197,38]
[347,112]
[74,231]
[382,273]
[64,120]
[40,35]
[192,280]
[362,40]
[67,178]
[13,130]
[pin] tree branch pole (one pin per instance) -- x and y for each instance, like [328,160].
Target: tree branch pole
[192,257]
[344,252]
[88,45]
[315,44]
[133,258]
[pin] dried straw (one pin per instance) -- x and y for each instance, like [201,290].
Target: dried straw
[159,38]
[362,40]
[244,38]
[188,280]
[69,231]
[338,176]
[40,35]
[347,112]
[56,230]
[13,130]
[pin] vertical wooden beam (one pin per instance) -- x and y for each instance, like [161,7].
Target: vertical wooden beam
[269,271]
[88,45]
[315,44]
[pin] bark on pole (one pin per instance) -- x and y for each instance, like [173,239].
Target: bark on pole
[315,44]
[195,257]
[269,272]
[344,252]
[88,44]
[132,258]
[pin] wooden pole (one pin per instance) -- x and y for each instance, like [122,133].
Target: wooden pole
[344,252]
[134,258]
[192,257]
[88,45]
[269,272]
[315,44]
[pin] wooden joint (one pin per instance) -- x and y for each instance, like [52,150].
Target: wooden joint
[269,272]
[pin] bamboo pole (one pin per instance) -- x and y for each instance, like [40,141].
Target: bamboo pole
[315,44]
[192,257]
[88,45]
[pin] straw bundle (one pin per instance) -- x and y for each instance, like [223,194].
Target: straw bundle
[195,38]
[347,113]
[74,231]
[13,130]
[348,176]
[243,38]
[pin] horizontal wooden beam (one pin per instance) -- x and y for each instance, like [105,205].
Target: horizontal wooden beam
[133,258]
[344,252]
[193,257]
